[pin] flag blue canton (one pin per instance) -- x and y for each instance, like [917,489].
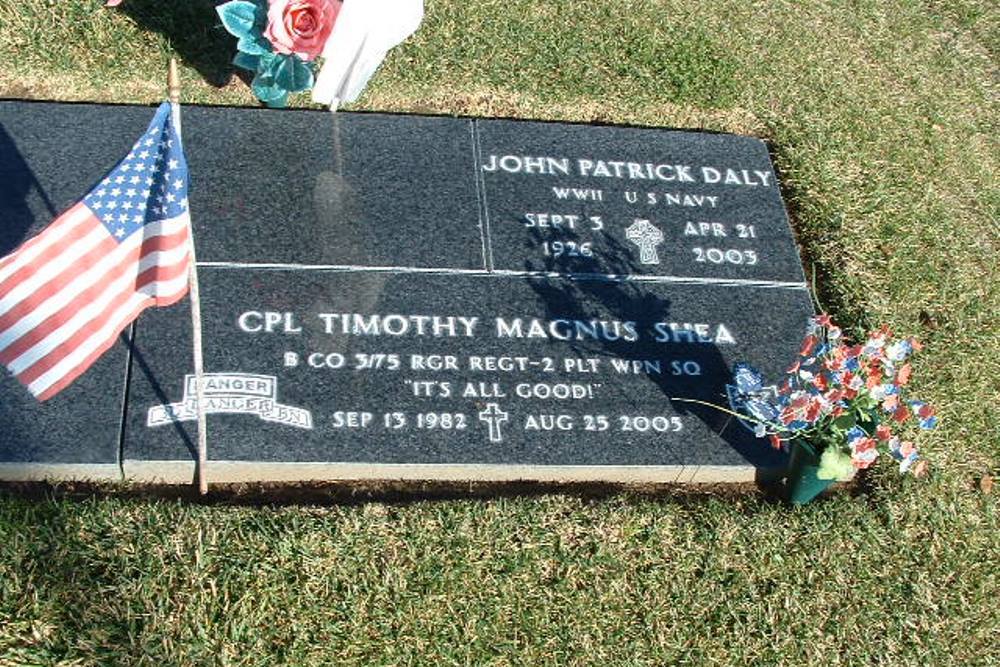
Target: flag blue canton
[148,186]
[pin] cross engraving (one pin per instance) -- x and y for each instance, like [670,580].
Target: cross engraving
[493,416]
[647,236]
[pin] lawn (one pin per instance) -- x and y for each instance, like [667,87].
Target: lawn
[883,121]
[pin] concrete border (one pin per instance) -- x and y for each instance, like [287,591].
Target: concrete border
[62,472]
[227,472]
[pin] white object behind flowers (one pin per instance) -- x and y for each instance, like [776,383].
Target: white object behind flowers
[362,36]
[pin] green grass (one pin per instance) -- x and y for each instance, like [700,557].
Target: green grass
[883,119]
[551,580]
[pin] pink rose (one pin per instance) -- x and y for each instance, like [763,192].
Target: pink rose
[300,26]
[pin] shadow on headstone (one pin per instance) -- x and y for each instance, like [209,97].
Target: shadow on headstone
[17,183]
[139,363]
[194,31]
[629,300]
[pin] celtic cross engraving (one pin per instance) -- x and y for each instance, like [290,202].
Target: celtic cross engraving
[647,236]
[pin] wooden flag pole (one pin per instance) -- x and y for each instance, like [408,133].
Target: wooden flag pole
[174,91]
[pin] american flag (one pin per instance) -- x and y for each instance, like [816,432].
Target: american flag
[66,294]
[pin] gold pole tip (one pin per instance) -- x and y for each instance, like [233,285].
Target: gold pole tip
[173,82]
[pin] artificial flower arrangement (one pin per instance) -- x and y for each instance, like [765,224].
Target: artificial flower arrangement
[837,402]
[279,41]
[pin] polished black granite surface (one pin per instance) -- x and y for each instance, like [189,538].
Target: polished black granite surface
[404,289]
[42,150]
[576,198]
[416,368]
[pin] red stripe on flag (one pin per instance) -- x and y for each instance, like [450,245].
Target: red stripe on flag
[67,347]
[80,368]
[88,295]
[62,273]
[55,227]
[68,238]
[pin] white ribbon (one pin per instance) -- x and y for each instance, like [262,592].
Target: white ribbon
[362,36]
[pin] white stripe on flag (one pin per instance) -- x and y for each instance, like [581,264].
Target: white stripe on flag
[72,218]
[53,268]
[85,314]
[114,323]
[91,276]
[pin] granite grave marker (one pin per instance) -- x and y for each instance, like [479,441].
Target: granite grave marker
[47,162]
[446,298]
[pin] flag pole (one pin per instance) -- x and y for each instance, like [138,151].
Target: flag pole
[174,92]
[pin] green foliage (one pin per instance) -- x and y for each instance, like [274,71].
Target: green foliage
[254,45]
[275,74]
[246,61]
[246,21]
[291,74]
[844,423]
[241,18]
[268,91]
